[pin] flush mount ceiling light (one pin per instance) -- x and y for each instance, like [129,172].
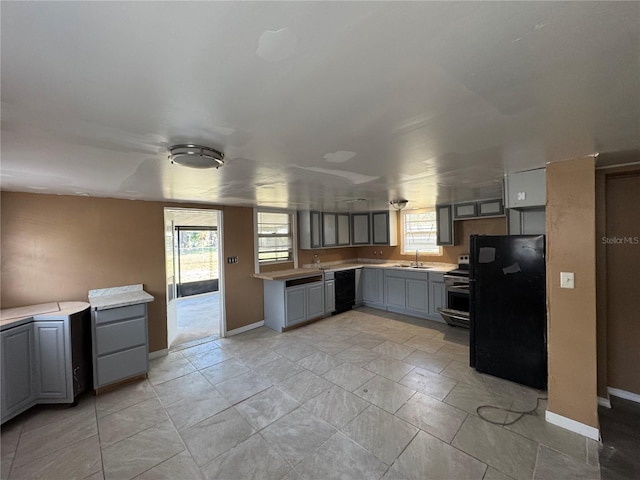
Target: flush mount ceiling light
[398,204]
[196,156]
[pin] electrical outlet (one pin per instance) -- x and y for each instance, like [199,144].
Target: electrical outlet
[522,196]
[566,280]
[375,253]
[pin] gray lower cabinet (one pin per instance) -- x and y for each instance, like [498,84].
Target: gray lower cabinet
[373,287]
[407,292]
[394,292]
[295,300]
[45,360]
[329,296]
[18,370]
[120,346]
[359,282]
[51,357]
[314,293]
[417,297]
[291,302]
[437,298]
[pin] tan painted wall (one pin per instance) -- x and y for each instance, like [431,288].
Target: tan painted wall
[601,284]
[623,302]
[244,294]
[463,228]
[571,236]
[56,248]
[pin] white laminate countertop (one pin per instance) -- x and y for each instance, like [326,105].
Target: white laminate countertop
[114,297]
[313,269]
[290,274]
[12,317]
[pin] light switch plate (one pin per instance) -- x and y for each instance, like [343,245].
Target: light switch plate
[566,280]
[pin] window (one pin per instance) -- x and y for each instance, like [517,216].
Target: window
[419,232]
[275,237]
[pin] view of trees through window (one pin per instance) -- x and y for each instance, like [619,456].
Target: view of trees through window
[197,254]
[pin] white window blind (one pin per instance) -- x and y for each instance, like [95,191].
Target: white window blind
[419,231]
[275,238]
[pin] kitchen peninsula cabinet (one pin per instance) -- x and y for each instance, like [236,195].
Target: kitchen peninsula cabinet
[290,302]
[119,329]
[46,356]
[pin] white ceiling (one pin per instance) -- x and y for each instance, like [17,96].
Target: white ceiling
[315,104]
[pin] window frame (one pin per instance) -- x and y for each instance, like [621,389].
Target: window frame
[403,242]
[293,233]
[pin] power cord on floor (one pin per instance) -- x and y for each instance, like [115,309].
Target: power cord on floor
[508,410]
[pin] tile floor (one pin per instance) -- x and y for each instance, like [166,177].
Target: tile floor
[361,395]
[198,317]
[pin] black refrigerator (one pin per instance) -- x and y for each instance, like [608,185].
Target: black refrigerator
[508,335]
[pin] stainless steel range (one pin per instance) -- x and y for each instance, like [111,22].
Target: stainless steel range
[456,282]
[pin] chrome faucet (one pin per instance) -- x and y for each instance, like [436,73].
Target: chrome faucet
[417,264]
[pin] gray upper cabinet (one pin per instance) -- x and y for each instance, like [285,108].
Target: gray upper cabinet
[329,230]
[384,228]
[481,208]
[18,370]
[310,226]
[489,208]
[526,189]
[360,229]
[444,221]
[465,210]
[344,231]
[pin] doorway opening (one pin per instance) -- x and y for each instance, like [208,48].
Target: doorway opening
[193,246]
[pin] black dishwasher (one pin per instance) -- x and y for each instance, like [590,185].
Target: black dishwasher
[345,290]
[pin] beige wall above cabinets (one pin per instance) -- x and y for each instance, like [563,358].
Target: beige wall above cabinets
[56,248]
[571,237]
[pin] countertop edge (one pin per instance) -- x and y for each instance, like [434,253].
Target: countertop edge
[120,300]
[66,310]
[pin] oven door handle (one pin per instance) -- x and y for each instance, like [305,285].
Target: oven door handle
[463,290]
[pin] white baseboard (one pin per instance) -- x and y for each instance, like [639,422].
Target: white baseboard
[158,353]
[616,392]
[605,402]
[569,424]
[246,328]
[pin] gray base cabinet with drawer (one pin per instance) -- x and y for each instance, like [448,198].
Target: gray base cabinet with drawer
[289,303]
[120,347]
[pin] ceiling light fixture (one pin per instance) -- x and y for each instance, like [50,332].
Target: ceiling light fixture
[196,156]
[398,204]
